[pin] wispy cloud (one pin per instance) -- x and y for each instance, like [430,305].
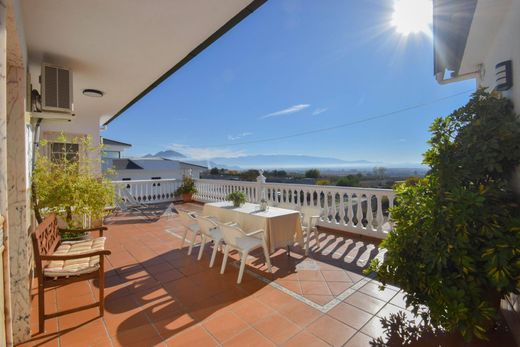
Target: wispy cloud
[286,111]
[319,111]
[204,153]
[239,136]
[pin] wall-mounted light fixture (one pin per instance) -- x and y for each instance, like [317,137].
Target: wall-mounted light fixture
[504,73]
[93,93]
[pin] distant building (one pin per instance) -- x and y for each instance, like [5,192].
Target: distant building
[478,39]
[112,150]
[153,168]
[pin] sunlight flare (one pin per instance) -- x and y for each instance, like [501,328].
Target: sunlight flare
[412,16]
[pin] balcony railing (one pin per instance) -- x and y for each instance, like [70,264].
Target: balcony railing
[147,191]
[358,210]
[362,211]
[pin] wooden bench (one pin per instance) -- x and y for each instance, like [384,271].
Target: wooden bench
[60,263]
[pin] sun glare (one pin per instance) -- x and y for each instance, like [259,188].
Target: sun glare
[412,16]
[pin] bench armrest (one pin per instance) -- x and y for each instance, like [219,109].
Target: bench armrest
[101,229]
[75,256]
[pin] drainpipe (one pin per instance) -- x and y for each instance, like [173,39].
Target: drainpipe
[36,140]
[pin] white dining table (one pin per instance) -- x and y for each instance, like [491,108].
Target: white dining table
[282,227]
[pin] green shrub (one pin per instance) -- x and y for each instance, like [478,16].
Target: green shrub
[249,175]
[187,186]
[349,181]
[313,173]
[70,187]
[456,244]
[237,197]
[323,182]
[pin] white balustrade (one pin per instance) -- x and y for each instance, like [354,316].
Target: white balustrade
[148,191]
[362,211]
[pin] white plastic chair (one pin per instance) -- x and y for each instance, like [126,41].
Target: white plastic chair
[190,223]
[209,229]
[310,217]
[244,243]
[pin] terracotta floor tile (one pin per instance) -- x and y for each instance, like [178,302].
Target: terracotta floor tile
[315,288]
[389,309]
[350,315]
[165,309]
[196,336]
[293,286]
[305,339]
[310,275]
[252,311]
[399,300]
[336,288]
[93,331]
[156,292]
[250,338]
[331,330]
[336,276]
[365,302]
[373,328]
[319,299]
[372,289]
[143,335]
[225,326]
[174,325]
[76,319]
[359,340]
[354,276]
[169,275]
[116,323]
[277,328]
[275,298]
[300,313]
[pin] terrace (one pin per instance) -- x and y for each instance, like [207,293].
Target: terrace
[156,294]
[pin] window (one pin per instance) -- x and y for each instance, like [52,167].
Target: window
[67,151]
[112,154]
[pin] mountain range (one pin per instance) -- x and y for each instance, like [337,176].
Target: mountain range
[267,161]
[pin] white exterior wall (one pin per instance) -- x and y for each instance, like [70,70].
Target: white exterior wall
[505,46]
[78,126]
[493,38]
[164,174]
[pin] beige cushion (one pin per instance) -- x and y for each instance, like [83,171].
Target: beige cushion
[75,267]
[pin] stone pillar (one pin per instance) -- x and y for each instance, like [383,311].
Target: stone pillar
[5,305]
[18,222]
[20,249]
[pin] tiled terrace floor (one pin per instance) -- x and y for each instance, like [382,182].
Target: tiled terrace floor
[158,295]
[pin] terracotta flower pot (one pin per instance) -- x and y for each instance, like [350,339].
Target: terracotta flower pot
[187,197]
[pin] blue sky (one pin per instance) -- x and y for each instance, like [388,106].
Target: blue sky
[294,66]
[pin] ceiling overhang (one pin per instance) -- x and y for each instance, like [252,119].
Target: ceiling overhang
[123,47]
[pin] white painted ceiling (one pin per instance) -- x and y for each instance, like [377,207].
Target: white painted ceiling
[118,46]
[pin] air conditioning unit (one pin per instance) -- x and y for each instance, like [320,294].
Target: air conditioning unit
[56,88]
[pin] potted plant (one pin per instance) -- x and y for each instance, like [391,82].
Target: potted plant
[456,241]
[187,189]
[238,198]
[70,186]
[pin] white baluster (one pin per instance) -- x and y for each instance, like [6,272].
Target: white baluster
[359,212]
